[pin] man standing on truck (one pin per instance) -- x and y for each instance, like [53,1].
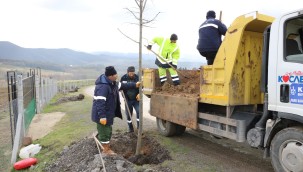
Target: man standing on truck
[132,96]
[210,32]
[169,54]
[106,105]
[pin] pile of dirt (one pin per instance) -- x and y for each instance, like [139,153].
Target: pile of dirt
[189,87]
[84,156]
[69,98]
[151,153]
[74,90]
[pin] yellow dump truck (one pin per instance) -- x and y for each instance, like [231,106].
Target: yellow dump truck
[252,93]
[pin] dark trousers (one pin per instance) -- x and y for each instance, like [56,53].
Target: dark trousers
[210,56]
[104,133]
[132,104]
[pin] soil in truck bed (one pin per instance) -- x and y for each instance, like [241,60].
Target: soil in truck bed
[189,85]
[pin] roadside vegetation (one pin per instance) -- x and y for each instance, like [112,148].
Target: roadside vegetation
[75,125]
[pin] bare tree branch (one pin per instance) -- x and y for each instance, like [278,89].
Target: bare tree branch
[137,3]
[132,12]
[148,26]
[127,36]
[144,25]
[149,21]
[143,8]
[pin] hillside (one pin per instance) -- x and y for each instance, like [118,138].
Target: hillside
[79,65]
[59,56]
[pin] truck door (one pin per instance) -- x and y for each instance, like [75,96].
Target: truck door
[289,65]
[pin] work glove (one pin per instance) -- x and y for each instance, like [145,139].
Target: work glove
[175,66]
[138,97]
[103,121]
[138,84]
[149,47]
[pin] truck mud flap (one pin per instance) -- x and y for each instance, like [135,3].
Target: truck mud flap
[177,109]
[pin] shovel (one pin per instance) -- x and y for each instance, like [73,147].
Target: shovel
[99,145]
[168,63]
[130,115]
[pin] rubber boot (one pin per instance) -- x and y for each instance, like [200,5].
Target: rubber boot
[176,83]
[107,150]
[130,128]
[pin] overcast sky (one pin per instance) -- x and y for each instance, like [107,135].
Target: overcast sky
[91,25]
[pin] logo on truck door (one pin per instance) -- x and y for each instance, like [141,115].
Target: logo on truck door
[295,81]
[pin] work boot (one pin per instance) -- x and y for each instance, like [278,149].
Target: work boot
[176,83]
[107,150]
[130,128]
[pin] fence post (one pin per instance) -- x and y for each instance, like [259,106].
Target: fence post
[48,89]
[52,88]
[43,91]
[20,131]
[38,96]
[64,87]
[56,87]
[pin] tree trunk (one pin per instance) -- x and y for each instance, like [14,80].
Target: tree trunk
[139,141]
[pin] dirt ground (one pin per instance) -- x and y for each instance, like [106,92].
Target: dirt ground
[124,144]
[199,152]
[42,124]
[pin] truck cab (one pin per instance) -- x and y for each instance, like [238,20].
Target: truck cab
[284,86]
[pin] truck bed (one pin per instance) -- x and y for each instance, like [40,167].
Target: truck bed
[175,108]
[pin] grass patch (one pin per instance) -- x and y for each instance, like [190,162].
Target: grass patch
[5,142]
[171,145]
[75,125]
[5,156]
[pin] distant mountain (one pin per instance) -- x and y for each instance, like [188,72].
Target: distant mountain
[64,56]
[60,56]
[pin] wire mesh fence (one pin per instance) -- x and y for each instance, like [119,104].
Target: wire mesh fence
[29,99]
[33,92]
[46,89]
[65,86]
[21,97]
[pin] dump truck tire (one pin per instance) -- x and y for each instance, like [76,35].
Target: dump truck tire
[286,150]
[166,128]
[180,129]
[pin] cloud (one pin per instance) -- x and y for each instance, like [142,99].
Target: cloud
[66,5]
[91,25]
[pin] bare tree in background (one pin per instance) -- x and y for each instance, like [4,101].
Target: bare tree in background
[138,15]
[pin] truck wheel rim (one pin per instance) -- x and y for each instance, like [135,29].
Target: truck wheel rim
[162,125]
[291,155]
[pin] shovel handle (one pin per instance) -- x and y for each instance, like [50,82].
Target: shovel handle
[167,63]
[130,115]
[99,145]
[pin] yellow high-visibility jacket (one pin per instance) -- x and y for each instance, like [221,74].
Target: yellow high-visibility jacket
[169,52]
